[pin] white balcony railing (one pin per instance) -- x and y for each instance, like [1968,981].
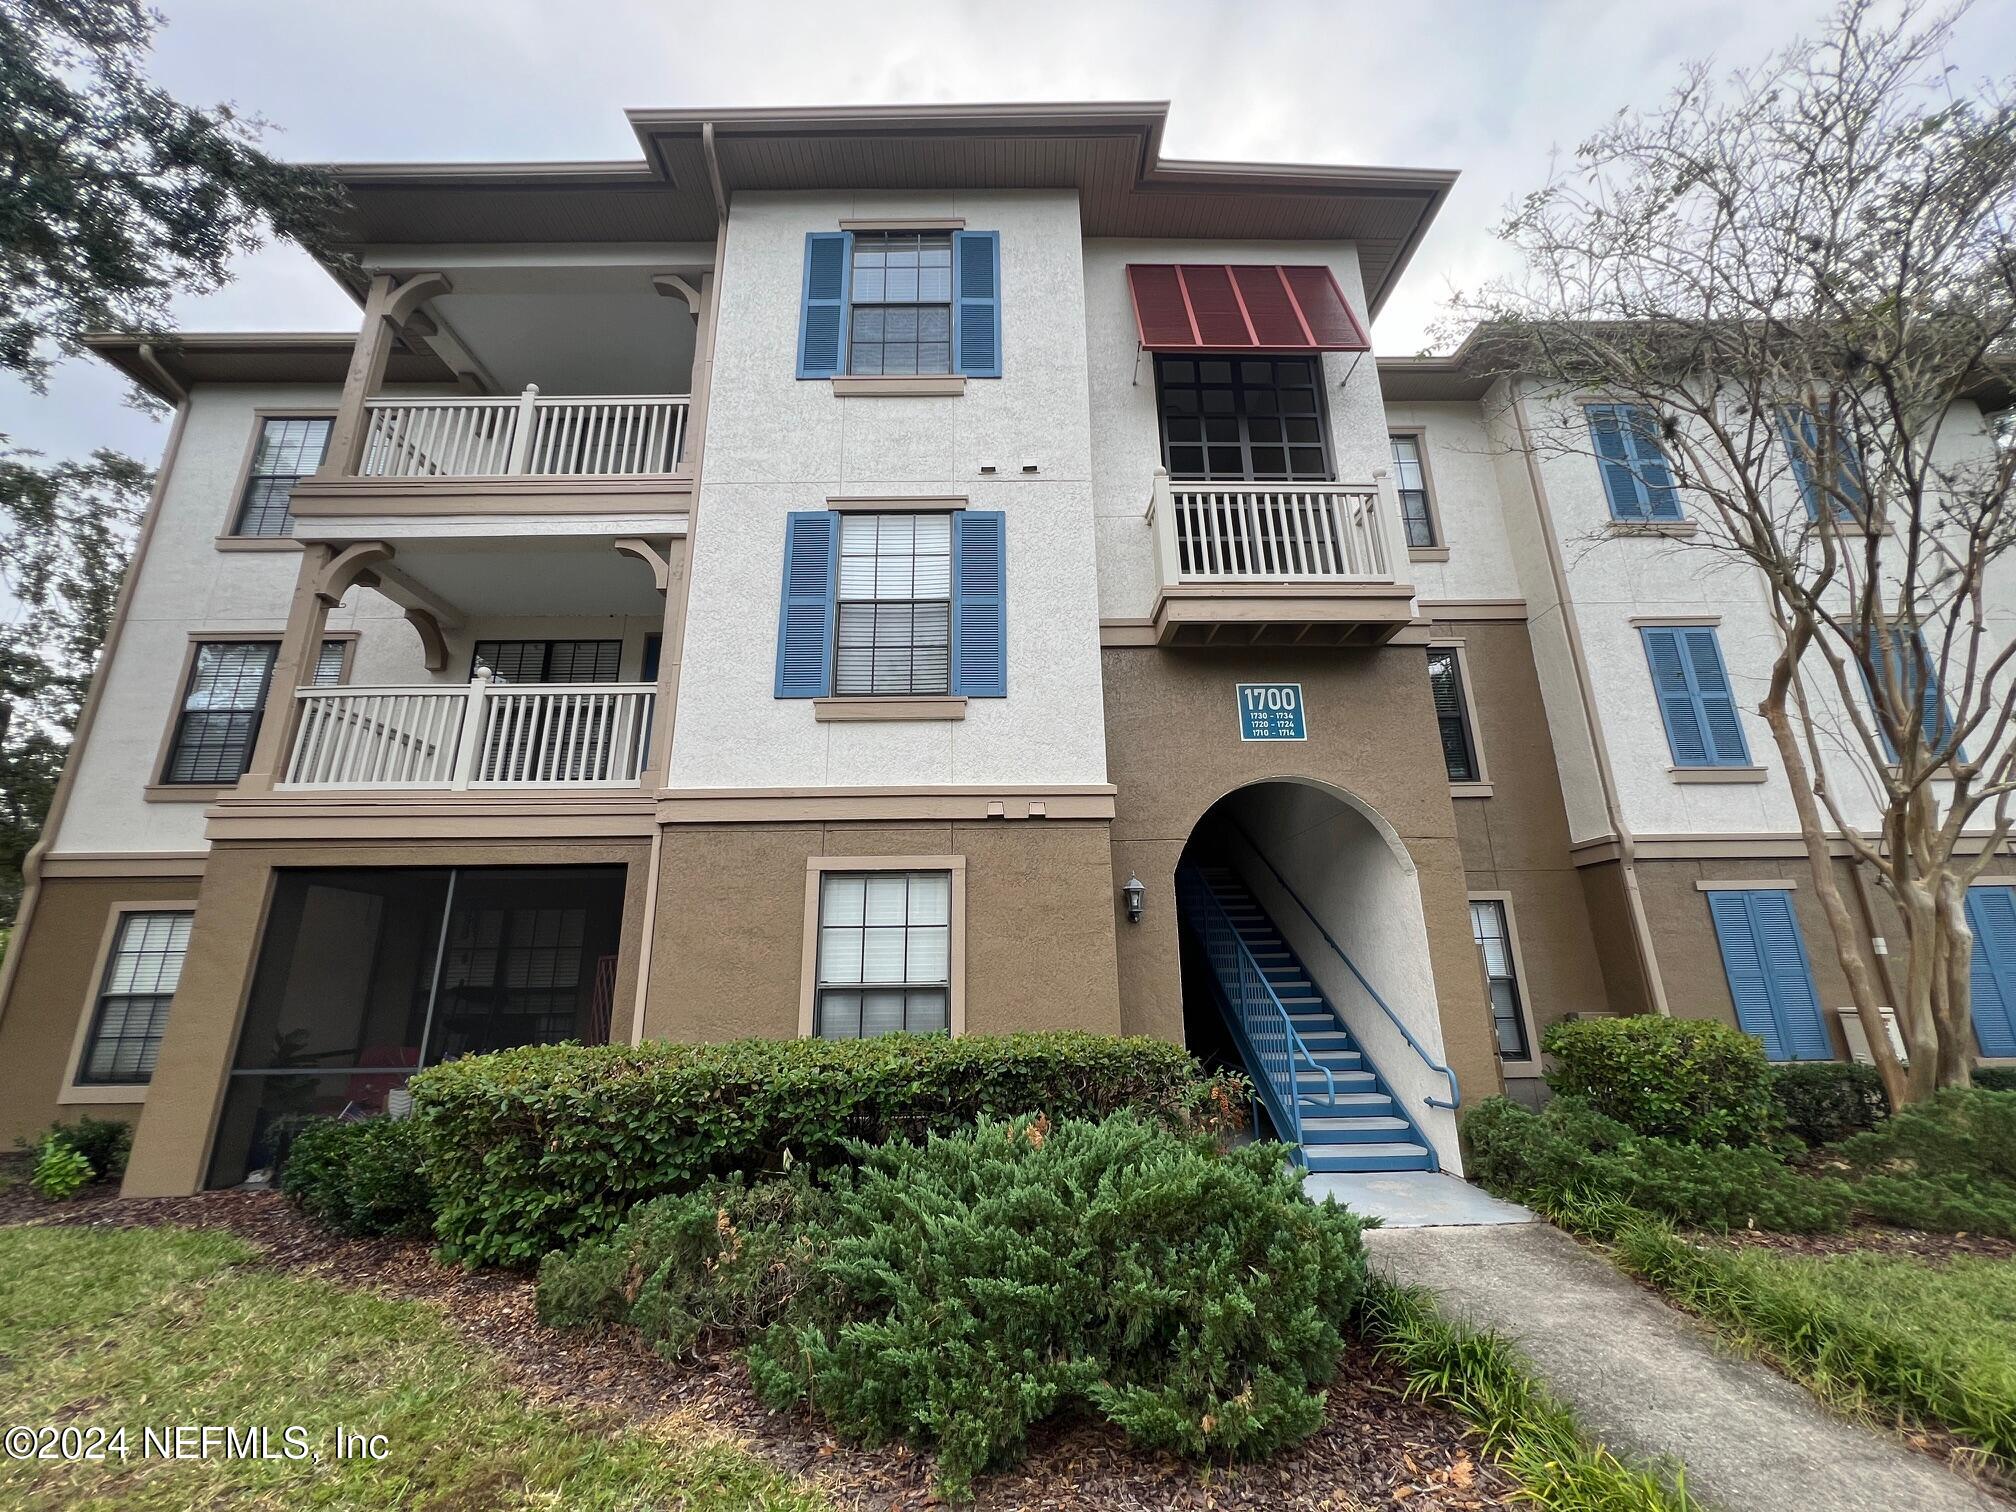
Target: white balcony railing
[530,436]
[484,735]
[1230,532]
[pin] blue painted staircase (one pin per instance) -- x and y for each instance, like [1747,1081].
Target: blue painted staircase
[1323,1093]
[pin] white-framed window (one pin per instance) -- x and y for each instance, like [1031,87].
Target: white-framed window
[1410,481]
[893,633]
[900,310]
[884,954]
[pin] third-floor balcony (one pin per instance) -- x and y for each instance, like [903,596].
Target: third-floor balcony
[1242,562]
[574,381]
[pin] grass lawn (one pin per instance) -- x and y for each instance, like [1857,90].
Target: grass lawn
[1892,1334]
[140,1328]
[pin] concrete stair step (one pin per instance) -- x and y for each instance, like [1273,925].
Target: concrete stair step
[1367,1157]
[1376,1129]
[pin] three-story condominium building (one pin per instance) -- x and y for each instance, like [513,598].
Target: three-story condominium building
[938,569]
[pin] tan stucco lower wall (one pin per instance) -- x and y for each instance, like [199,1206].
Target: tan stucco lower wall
[728,958]
[1173,750]
[52,990]
[1515,841]
[171,1147]
[1690,959]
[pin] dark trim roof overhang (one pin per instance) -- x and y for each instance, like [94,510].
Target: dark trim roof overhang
[1110,153]
[161,364]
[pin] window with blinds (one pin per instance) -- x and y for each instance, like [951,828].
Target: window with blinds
[222,705]
[288,450]
[1491,928]
[132,1009]
[551,661]
[894,625]
[900,312]
[885,954]
[1452,714]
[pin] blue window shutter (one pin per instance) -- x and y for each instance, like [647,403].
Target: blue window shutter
[1613,460]
[1991,913]
[1802,444]
[1796,426]
[805,620]
[1655,478]
[822,313]
[1770,980]
[1903,657]
[1743,964]
[980,603]
[976,322]
[1726,746]
[1685,737]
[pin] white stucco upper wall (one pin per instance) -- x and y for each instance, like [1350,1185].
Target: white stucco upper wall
[1462,464]
[1126,433]
[776,443]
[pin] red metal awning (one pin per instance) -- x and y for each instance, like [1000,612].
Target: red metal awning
[1242,307]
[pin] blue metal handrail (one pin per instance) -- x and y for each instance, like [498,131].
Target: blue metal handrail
[1274,1044]
[1455,1092]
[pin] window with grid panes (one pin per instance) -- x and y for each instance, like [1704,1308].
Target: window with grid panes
[289,449]
[1452,714]
[900,303]
[562,661]
[1251,418]
[222,705]
[1411,483]
[132,1010]
[894,634]
[1488,925]
[885,954]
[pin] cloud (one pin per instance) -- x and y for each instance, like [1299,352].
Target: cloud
[1484,86]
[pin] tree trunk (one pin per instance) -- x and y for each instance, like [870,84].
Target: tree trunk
[1956,1059]
[1826,885]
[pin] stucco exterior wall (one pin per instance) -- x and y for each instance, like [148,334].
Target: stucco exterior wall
[54,987]
[729,954]
[1462,463]
[1126,445]
[776,443]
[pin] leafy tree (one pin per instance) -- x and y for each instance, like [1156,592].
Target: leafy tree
[113,194]
[1802,277]
[65,535]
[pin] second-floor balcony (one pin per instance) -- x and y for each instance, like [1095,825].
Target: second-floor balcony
[527,435]
[1242,562]
[486,734]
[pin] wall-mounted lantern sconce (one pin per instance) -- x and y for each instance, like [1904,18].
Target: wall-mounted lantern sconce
[1135,895]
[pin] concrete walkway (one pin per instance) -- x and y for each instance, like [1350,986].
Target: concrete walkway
[1413,1199]
[1649,1381]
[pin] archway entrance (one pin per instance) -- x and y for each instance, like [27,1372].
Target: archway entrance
[1306,962]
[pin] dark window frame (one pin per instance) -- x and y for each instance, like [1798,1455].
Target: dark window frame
[1431,518]
[486,653]
[102,997]
[277,513]
[331,665]
[1464,714]
[1240,386]
[1518,1017]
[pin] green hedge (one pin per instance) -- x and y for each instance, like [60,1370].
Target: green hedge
[1824,1102]
[361,1176]
[1570,1154]
[1995,1078]
[103,1142]
[538,1149]
[1688,1079]
[1948,1163]
[955,1293]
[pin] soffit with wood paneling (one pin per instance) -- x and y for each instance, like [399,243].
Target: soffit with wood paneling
[1110,154]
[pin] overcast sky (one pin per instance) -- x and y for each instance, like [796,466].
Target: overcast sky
[1488,87]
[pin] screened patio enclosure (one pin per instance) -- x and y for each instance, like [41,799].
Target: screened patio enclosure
[366,976]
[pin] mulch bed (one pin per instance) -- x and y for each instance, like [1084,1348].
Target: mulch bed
[1872,1239]
[1375,1449]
